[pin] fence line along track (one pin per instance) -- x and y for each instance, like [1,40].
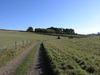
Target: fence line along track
[13,46]
[12,65]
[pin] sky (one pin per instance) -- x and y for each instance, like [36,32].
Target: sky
[81,15]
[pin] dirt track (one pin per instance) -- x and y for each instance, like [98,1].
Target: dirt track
[11,66]
[37,66]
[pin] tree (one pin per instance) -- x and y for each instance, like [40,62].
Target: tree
[56,30]
[30,29]
[69,31]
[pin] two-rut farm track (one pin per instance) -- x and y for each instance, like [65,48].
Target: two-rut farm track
[37,66]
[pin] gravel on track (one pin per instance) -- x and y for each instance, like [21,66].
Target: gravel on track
[38,66]
[12,65]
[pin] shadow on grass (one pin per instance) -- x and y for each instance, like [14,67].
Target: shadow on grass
[43,65]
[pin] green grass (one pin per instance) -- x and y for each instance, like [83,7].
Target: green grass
[66,35]
[7,43]
[8,38]
[25,66]
[78,56]
[8,55]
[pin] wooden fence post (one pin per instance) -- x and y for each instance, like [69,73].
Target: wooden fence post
[23,42]
[15,44]
[27,41]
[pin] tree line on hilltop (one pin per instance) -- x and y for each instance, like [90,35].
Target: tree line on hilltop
[52,30]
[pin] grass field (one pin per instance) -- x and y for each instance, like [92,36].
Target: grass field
[25,66]
[8,38]
[74,56]
[77,56]
[8,49]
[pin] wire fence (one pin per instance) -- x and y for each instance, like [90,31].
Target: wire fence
[13,45]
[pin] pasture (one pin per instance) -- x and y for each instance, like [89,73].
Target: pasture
[8,38]
[78,56]
[13,43]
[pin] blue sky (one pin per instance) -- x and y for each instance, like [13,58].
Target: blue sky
[81,15]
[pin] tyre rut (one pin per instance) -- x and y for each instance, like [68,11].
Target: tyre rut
[12,65]
[38,66]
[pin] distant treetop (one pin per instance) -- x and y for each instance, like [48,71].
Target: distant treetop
[30,29]
[55,30]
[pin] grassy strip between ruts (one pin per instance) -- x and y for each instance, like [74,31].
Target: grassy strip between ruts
[24,67]
[10,54]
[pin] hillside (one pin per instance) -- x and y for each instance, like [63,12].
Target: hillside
[77,56]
